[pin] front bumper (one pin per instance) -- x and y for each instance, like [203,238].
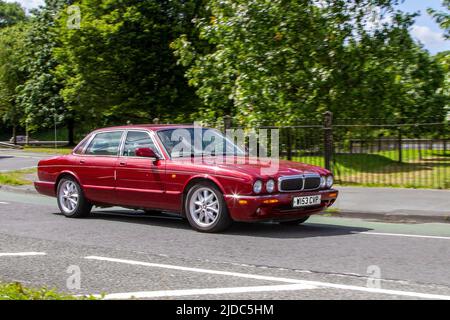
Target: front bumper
[276,206]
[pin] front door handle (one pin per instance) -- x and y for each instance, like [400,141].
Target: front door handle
[82,161]
[122,164]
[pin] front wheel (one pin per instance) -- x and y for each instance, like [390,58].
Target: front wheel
[295,222]
[71,200]
[206,209]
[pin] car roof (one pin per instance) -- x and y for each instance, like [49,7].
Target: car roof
[153,127]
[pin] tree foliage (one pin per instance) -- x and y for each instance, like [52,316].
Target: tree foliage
[11,14]
[443,18]
[119,67]
[260,61]
[39,97]
[12,72]
[277,61]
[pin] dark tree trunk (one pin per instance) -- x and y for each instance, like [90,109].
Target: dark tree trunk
[14,133]
[70,131]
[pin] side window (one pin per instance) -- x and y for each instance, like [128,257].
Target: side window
[105,144]
[135,140]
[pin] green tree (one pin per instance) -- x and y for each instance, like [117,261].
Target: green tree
[12,73]
[39,97]
[118,65]
[443,18]
[11,13]
[443,59]
[276,61]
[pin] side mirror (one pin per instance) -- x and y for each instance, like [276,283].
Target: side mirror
[146,153]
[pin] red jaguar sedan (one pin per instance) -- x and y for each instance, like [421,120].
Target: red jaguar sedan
[146,167]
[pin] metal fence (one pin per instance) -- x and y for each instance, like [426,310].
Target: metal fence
[377,152]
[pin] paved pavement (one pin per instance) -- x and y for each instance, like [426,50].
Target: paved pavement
[420,205]
[126,253]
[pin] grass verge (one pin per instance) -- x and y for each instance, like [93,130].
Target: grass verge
[16,178]
[64,150]
[16,291]
[419,169]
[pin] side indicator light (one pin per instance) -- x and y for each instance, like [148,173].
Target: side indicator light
[270,201]
[332,195]
[243,201]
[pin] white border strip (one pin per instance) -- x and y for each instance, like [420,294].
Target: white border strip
[278,279]
[206,291]
[21,254]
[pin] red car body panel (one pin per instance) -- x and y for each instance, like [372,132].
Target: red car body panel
[146,183]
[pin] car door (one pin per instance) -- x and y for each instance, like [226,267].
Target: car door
[139,180]
[96,166]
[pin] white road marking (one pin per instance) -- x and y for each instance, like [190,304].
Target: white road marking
[402,235]
[21,254]
[1,202]
[278,279]
[207,291]
[199,270]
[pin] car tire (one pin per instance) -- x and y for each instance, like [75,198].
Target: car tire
[295,222]
[71,200]
[205,208]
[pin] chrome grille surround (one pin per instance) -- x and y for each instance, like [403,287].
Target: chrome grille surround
[301,179]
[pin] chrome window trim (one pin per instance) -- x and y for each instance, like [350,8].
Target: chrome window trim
[86,140]
[93,135]
[155,133]
[300,176]
[155,141]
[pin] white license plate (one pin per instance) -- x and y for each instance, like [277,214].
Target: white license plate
[307,201]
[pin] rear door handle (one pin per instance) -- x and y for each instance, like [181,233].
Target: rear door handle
[122,164]
[82,161]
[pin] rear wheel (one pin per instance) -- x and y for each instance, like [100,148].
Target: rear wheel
[206,209]
[295,222]
[71,200]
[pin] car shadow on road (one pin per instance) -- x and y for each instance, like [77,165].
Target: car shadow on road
[260,229]
[306,230]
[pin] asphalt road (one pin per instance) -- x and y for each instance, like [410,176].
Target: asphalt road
[124,254]
[18,159]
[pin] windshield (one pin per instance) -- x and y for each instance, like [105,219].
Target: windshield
[188,142]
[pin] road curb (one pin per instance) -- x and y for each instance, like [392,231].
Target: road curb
[27,190]
[398,217]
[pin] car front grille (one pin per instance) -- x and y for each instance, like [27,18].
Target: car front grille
[299,183]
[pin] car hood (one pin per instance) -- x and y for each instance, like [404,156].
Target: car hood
[253,166]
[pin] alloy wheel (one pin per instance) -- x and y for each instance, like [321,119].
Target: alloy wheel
[68,196]
[204,207]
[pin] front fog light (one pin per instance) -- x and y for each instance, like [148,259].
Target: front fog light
[270,186]
[257,186]
[330,181]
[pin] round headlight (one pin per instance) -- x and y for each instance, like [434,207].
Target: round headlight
[270,186]
[330,181]
[323,182]
[257,186]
